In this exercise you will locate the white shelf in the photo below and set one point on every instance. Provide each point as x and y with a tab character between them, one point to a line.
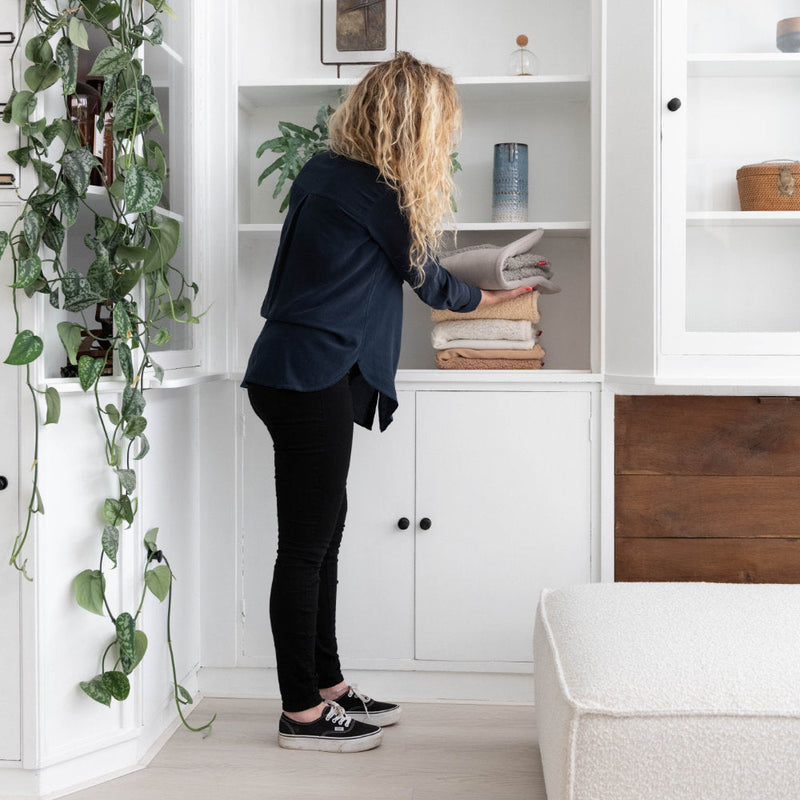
580	228
699	218
735	65
301	92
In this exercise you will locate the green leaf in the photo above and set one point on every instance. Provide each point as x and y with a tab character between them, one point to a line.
32	225
23	105
118	685
125	629
144	447
89	586
44	171
77	291
22	156
97	690
67	60
125	361
160	5
140	648
122	321
77	33
53	400
77	166
112	511
107	13
164	241
3	242
187	698
131	255
127	477
53	233
155	153
27	347
136	427
125	281
157	32
89	371
133	403
68	200
28	271
42	76
161	338
38	49
71	336
110	542
143	189
113	413
158	580
150	540
126	509
110	61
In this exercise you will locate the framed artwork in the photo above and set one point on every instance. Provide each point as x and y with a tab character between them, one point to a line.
357	31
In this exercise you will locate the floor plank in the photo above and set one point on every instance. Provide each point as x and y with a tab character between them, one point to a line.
437	751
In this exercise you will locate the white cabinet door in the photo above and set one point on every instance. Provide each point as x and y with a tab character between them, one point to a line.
504	478
376	564
9	521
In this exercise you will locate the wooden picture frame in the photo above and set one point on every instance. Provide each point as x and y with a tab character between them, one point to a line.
357	31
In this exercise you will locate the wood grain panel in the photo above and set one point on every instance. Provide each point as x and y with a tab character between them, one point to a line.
707	435
718	560
713	506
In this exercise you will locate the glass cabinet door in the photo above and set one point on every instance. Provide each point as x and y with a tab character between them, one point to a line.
730	278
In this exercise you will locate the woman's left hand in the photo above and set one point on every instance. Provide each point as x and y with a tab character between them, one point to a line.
491	297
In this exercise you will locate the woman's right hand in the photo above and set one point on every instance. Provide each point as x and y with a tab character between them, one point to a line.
491	297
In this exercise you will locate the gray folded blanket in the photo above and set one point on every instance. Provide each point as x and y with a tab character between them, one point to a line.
489	267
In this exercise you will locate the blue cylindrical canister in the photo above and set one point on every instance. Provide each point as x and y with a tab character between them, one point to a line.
510	183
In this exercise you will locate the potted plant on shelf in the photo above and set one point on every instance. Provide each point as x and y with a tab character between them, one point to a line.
127	272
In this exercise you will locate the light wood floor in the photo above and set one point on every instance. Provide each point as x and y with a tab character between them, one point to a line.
436	752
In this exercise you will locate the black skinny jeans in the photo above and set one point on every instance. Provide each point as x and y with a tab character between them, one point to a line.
312	435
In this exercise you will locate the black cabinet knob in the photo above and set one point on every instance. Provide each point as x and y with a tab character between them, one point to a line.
3	482
674	104
403	523
425	523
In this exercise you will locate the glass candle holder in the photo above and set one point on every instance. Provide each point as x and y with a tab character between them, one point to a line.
522	60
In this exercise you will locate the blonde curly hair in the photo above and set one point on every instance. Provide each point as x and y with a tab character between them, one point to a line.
404	117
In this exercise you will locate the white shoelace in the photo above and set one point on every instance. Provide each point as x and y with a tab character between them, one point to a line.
353	692
337	715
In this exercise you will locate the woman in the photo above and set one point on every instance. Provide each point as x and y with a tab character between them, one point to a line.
362	219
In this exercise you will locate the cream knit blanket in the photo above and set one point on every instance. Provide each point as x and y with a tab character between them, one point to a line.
526	306
481	329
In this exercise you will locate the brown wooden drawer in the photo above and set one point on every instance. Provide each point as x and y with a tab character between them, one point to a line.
708	435
707	505
719	560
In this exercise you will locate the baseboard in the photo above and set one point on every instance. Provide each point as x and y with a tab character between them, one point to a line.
102	764
399	685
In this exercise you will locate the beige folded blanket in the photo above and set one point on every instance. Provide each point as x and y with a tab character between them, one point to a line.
460	353
486	363
491	344
481	329
526	306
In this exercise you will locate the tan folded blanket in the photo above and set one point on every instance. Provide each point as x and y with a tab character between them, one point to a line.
487	363
526	306
460	353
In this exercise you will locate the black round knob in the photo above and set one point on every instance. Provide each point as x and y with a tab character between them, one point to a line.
3	482
425	523
403	523
674	104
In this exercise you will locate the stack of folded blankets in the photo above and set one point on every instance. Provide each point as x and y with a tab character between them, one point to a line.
504	336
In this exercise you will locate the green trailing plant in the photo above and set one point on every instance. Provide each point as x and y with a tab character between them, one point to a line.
296	145
127	272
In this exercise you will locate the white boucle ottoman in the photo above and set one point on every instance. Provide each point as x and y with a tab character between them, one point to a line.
676	691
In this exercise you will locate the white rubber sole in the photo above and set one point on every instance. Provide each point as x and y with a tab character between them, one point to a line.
383	719
330	745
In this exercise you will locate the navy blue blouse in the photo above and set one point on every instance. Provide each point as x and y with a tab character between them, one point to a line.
335	297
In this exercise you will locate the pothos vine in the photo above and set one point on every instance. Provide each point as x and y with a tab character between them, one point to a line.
129	273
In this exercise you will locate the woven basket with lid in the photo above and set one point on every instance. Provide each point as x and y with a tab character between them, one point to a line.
769	186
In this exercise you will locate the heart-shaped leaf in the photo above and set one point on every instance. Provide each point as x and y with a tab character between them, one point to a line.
143	189
158	581
27	347
89	586
97	690
110	541
89	371
125	630
117	683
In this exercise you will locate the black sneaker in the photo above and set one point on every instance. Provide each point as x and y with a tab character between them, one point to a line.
334	732
365	709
